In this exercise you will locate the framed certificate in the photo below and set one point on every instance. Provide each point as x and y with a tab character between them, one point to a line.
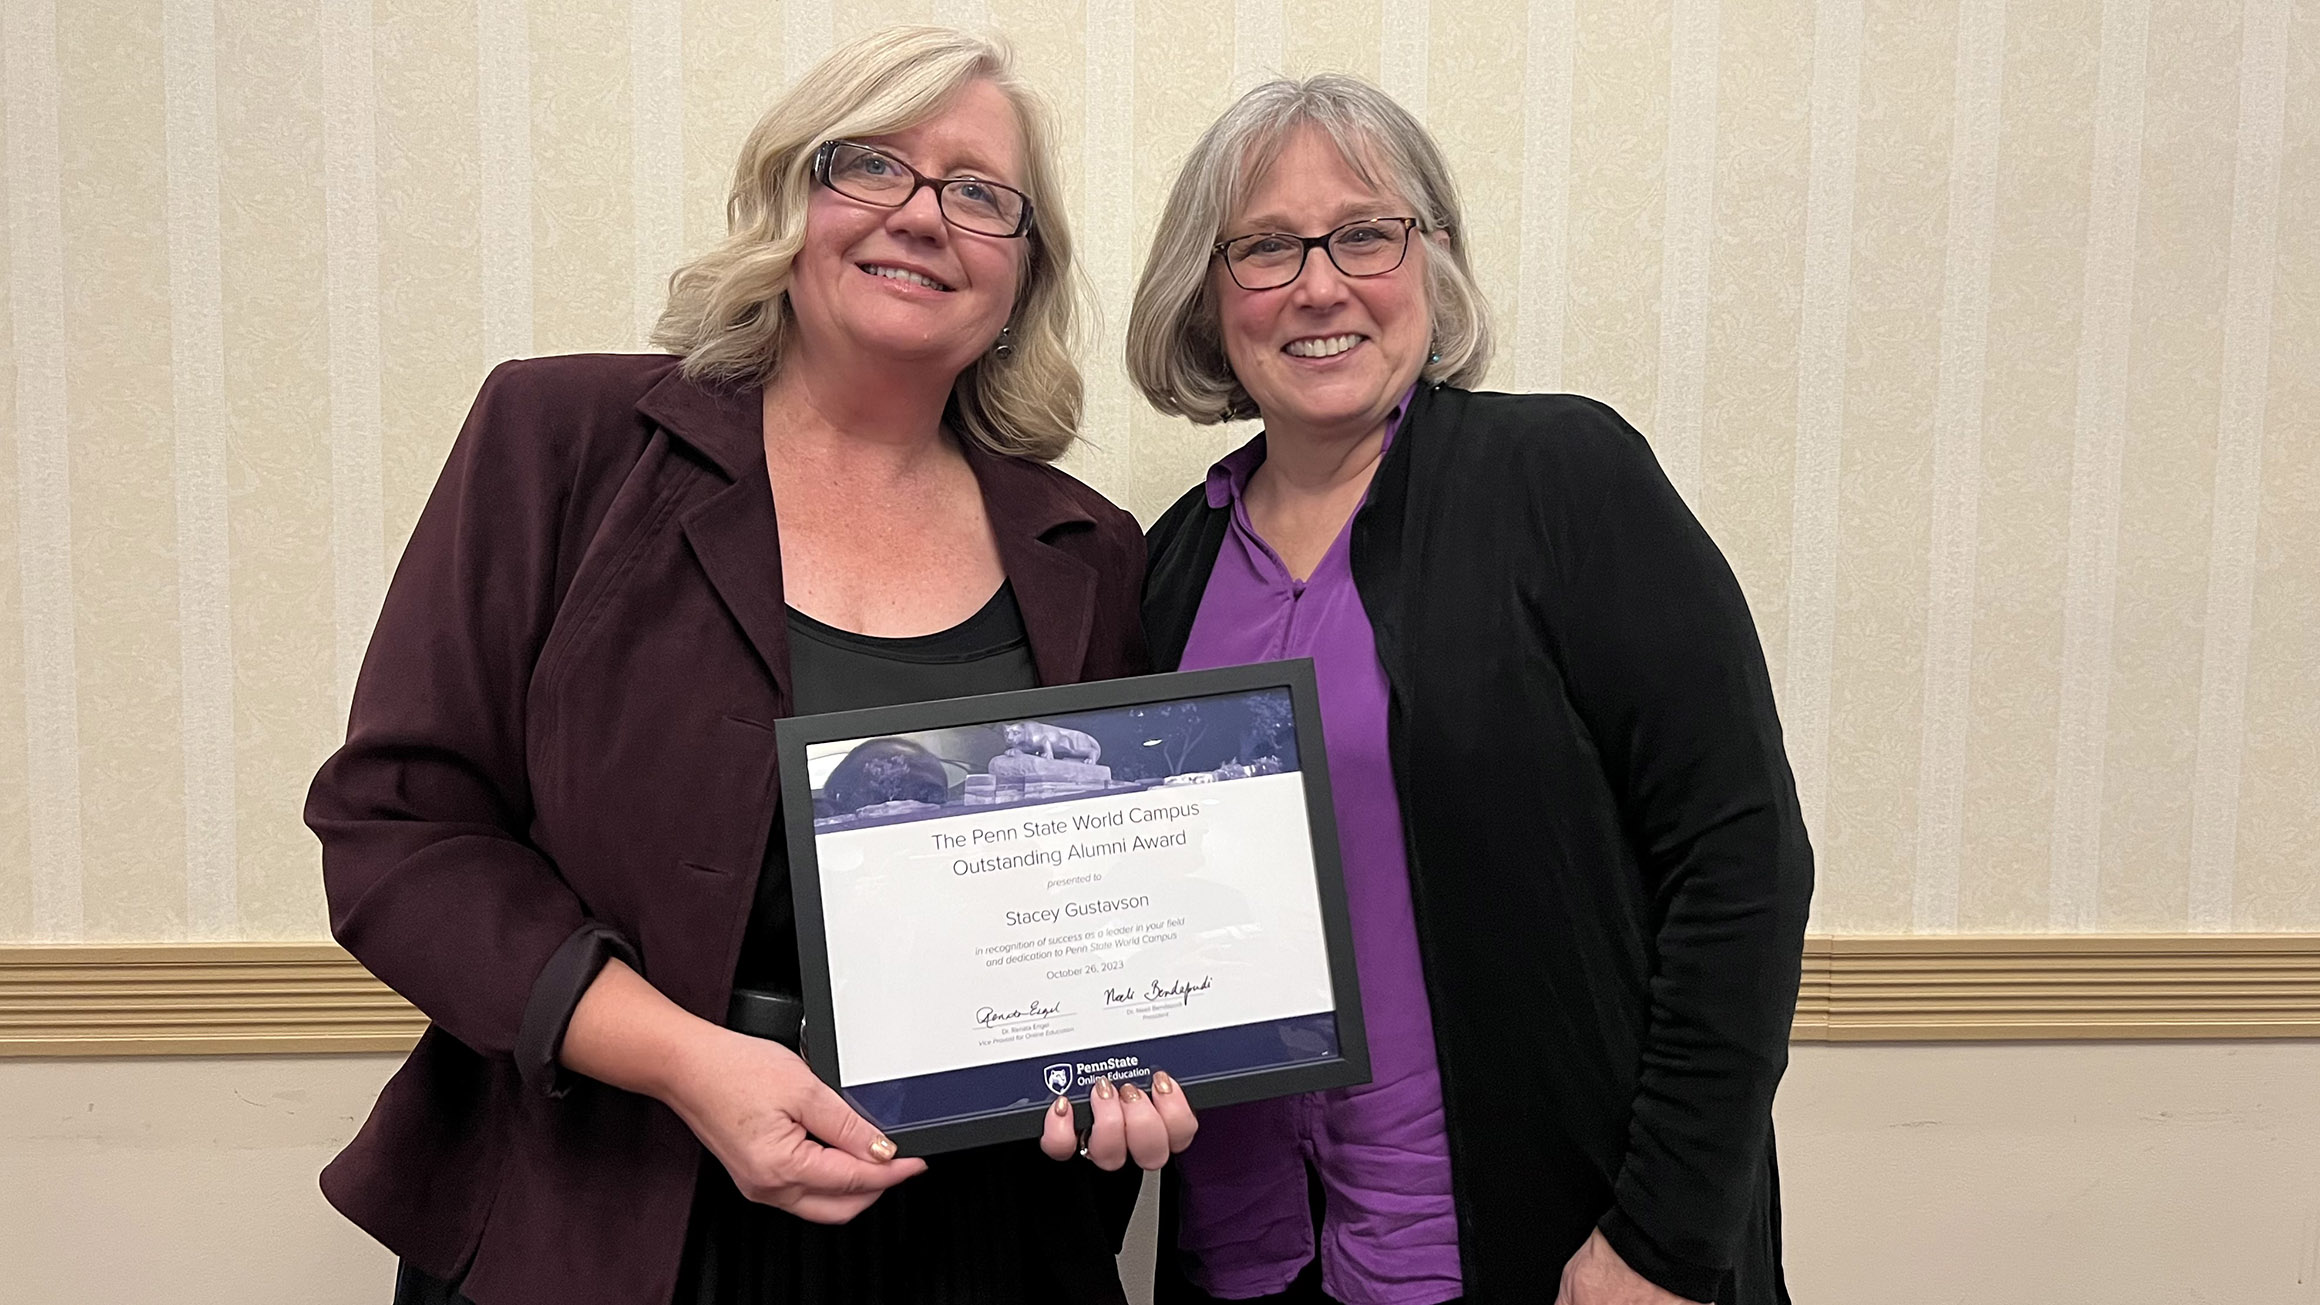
1004	898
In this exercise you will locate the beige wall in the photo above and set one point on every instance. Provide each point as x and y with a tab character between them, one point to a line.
2053	1174
2009	1174
1983	336
183	1182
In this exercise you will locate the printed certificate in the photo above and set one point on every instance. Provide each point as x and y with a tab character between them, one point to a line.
1004	898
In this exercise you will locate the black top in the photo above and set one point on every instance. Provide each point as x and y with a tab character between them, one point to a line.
838	670
1608	864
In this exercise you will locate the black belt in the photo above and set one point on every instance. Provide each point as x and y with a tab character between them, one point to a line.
760	1013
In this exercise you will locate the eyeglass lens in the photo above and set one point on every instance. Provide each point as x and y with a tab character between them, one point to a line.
984	207
1268	260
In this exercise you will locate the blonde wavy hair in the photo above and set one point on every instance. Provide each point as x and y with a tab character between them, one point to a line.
729	316
1175	347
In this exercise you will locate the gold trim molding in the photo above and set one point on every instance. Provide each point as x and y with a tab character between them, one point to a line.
1968	988
195	999
271	998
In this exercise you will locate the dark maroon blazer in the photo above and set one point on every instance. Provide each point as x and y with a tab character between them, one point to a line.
561	748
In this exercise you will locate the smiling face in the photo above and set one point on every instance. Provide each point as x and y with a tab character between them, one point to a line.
1327	353
902	285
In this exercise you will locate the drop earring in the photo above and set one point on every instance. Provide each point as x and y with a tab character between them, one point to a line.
1006	346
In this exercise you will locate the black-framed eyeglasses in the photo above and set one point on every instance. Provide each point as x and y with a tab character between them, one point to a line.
1268	260
859	172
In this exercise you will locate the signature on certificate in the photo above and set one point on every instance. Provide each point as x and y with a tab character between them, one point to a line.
987	1016
1177	992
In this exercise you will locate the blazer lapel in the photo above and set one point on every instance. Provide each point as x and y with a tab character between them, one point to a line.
1055	590
1057	595
734	535
733	532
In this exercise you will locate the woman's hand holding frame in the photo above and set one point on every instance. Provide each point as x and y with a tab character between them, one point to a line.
1124	1123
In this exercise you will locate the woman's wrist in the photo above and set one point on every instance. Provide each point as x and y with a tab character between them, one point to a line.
627	1034
687	1051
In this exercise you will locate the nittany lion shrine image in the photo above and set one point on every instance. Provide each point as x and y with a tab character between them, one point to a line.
1092	652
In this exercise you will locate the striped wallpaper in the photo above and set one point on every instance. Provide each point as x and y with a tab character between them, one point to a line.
1986	338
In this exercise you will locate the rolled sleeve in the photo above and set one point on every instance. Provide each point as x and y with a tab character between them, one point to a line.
555	995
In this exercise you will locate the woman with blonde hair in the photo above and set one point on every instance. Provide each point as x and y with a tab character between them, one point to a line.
1577	872
552	826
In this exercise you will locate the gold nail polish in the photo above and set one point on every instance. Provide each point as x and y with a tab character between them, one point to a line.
1062	1107
1162	1084
882	1150
1105	1090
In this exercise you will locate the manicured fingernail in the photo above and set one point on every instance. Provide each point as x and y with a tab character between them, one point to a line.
1162	1084
1105	1090
1130	1092
1062	1107
882	1150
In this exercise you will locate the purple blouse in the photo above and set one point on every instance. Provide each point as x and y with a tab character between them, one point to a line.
1391	1235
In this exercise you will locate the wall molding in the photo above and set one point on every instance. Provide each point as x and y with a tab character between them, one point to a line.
195	999
2059	986
276	998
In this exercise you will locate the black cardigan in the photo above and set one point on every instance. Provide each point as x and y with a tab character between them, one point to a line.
1606	856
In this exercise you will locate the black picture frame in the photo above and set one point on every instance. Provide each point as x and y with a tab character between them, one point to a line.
1351	1063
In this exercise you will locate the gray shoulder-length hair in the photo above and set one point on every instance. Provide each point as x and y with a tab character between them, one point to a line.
1175	349
728	313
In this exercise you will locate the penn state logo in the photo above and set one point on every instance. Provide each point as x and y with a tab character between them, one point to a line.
1058	1078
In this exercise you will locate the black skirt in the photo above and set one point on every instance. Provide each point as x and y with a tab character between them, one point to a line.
999	1225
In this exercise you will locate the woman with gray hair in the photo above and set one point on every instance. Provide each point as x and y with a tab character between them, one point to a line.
1576	865
552	826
